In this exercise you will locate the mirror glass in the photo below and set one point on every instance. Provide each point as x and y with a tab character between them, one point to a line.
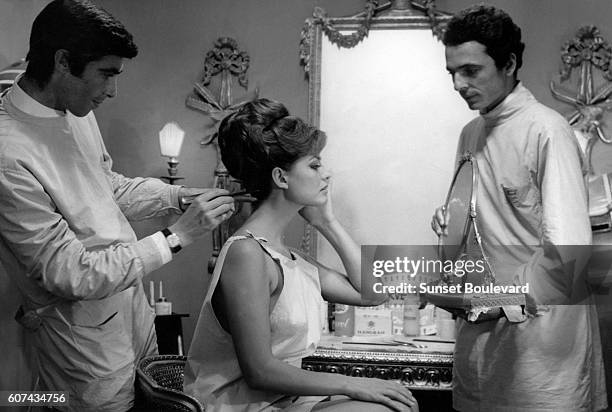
393	121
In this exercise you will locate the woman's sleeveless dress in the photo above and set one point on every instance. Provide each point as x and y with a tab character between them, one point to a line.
212	373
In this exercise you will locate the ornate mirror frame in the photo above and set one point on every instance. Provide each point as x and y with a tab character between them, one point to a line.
396	15
355	32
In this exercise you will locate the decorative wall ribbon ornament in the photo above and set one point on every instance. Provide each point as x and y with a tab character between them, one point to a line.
587	51
226	60
588	46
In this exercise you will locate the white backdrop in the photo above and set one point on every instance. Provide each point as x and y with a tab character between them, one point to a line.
393	120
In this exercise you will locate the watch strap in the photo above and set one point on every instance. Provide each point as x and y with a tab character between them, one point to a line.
174	242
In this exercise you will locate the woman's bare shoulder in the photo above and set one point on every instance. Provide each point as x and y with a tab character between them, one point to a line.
247	255
244	252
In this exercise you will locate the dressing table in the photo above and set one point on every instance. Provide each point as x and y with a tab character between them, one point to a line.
425	367
421	365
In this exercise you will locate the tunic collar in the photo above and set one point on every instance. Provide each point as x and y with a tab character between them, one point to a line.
515	102
24	102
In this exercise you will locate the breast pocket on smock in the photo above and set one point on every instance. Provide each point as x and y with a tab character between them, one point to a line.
524	198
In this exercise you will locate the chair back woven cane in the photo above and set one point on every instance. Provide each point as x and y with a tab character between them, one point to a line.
159	385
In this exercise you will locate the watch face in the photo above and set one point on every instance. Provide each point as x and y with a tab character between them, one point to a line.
173	240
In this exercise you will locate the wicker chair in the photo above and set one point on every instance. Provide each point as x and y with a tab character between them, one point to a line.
159	385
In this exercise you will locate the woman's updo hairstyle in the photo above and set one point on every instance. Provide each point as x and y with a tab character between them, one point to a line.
260	136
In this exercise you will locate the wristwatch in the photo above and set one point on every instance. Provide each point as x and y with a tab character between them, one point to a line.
174	242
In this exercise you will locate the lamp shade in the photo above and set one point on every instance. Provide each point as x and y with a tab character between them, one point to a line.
171	139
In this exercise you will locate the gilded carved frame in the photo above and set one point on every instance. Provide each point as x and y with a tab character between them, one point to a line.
398	15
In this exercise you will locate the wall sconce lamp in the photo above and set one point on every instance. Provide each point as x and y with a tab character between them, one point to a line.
170	142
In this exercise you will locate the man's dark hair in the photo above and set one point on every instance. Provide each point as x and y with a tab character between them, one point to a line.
490	27
86	31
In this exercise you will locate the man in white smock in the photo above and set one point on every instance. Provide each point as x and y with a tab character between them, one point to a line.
532	214
65	240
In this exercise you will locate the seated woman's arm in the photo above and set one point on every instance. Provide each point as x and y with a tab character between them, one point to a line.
245	287
350	288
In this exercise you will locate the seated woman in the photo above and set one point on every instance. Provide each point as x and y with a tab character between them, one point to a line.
261	314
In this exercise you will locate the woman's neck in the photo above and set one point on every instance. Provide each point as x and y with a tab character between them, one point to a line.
270	219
